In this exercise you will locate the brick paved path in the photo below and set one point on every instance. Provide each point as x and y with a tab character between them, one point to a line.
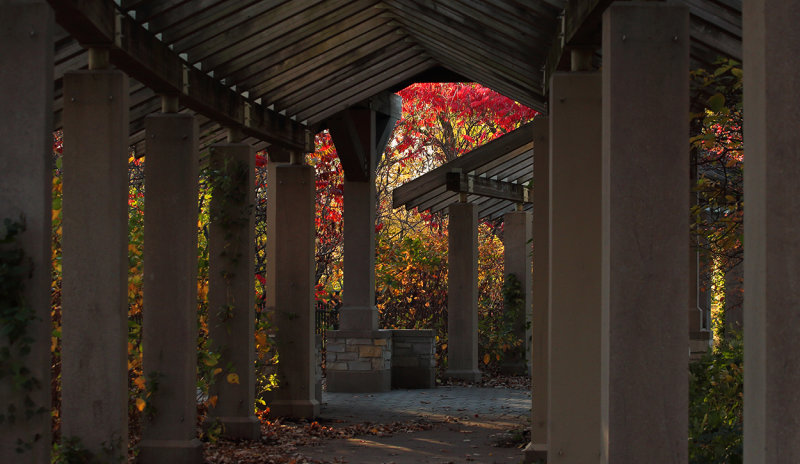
491	404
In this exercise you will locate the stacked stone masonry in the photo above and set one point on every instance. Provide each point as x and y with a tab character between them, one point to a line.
359	354
413	359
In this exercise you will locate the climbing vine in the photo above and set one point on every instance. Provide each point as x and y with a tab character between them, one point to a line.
16	341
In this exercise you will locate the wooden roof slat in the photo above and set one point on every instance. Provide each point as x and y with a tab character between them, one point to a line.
278	48
150	61
364	39
319	73
366	88
173	31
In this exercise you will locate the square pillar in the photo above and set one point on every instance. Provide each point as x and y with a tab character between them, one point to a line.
517	232
26	80
290	287
94	369
575	324
537	448
645	232
772	249
169	333
231	288
462	292
358	312
359	355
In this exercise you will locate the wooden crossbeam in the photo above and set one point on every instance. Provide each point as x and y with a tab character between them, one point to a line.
473	185
97	23
406	194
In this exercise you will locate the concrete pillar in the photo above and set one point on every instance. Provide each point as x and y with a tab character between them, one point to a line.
290	286
358	354
94	370
645	227
462	292
26	80
358	311
231	292
169	340
772	249
517	233
537	448
575	323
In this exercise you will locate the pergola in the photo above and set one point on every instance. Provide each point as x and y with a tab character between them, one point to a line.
177	78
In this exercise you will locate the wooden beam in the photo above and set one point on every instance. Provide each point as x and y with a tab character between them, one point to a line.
485	154
133	49
465	183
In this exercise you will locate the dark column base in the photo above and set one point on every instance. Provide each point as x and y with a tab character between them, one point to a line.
535	453
373	381
170	452
468	375
241	428
306	409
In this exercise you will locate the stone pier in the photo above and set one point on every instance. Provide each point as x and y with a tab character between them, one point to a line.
290	287
231	293
355	133
645	232
94	369
575	302
517	234
169	332
462	292
772	196
540	348
26	80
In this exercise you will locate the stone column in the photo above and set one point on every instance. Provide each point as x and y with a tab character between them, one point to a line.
231	292
358	311
645	227
537	448
359	355
290	286
26	80
169	333
574	375
462	292
772	293
517	232
94	369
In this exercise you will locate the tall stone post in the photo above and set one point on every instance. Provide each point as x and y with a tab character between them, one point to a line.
517	232
94	369
169	340
645	227
26	80
772	249
575	323
462	292
290	286
358	354
537	448
231	288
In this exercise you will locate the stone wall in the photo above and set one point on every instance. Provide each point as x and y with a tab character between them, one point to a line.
413	359
357	363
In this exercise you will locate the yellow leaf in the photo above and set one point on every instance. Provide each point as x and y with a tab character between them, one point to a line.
140	404
486	358
139	381
210	362
213	401
233	378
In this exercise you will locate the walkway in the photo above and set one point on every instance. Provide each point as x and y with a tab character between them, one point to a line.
468	423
